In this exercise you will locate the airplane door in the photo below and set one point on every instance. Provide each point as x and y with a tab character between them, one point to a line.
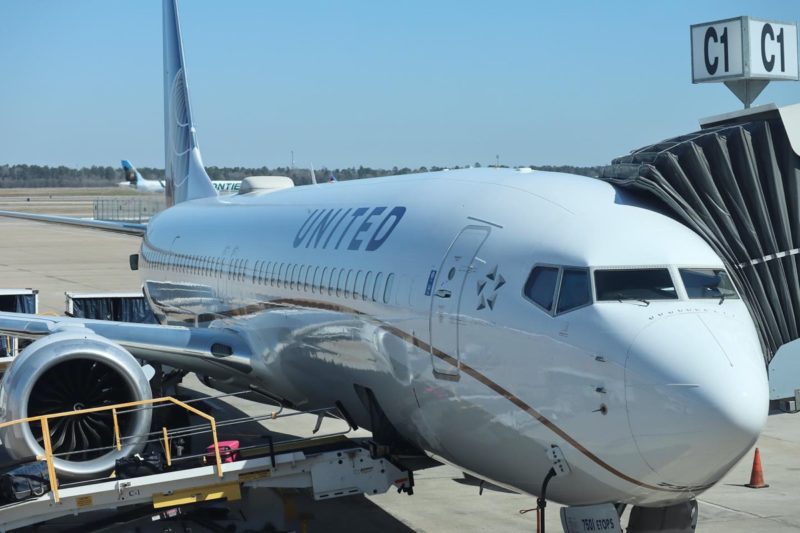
446	300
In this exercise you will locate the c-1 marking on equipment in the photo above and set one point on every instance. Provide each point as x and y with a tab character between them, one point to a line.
745	53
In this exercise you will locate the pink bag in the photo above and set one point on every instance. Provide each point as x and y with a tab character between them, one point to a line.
228	451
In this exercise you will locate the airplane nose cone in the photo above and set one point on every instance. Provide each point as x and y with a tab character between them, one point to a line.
697	395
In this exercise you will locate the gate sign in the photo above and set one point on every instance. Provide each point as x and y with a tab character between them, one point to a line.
744	48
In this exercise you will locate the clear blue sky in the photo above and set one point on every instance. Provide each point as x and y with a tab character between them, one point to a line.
344	83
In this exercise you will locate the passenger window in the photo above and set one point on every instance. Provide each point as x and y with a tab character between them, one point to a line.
634	284
311	277
359	284
367	290
377	287
574	290
541	286
707	283
332	281
340	282
387	293
274	274
281	272
348	284
320	281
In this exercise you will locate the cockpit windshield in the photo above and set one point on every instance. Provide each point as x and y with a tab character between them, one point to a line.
643	284
707	283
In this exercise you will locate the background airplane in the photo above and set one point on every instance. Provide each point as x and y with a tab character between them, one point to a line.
134	179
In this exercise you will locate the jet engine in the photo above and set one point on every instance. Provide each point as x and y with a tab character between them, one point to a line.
72	370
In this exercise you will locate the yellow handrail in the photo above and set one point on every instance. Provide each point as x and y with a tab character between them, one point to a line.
48	447
116	429
167	452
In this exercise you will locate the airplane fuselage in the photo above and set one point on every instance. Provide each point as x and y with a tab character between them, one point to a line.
414	287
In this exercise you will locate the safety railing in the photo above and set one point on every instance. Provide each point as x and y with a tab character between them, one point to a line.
44	420
127	209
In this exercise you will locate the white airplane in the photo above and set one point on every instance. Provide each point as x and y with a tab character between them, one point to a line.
494	319
135	180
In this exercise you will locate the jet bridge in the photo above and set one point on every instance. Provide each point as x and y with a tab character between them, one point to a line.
736	182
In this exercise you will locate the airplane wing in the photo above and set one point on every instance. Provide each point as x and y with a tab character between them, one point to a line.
211	351
128	228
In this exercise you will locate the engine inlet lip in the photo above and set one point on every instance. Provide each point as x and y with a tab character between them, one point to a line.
61	348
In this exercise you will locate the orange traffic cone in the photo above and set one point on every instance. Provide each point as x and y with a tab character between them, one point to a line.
757	476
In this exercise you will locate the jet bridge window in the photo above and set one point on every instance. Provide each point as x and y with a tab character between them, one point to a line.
634	284
707	283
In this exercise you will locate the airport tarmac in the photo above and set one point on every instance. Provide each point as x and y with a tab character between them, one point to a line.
55	259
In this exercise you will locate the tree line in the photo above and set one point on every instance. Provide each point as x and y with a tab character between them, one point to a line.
98	176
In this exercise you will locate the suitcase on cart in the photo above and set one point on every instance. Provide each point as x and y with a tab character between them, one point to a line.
228	451
140	465
23	482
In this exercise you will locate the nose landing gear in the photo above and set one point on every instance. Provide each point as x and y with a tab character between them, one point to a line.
680	518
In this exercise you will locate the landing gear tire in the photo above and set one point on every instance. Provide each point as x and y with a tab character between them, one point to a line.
678	518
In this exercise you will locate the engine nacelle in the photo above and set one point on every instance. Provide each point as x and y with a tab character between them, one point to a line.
71	370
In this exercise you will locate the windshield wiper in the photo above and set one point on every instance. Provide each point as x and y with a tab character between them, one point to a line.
721	297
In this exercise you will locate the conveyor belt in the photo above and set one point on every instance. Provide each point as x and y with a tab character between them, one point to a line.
331	467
